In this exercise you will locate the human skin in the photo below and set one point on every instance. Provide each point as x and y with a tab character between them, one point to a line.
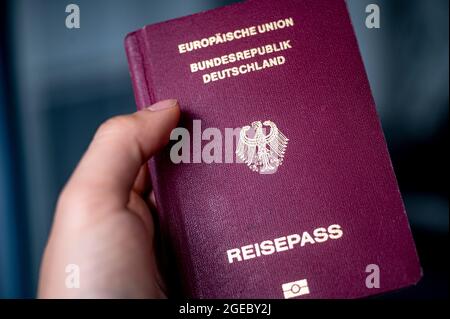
103	222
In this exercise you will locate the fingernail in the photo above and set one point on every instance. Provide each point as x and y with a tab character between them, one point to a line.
163	105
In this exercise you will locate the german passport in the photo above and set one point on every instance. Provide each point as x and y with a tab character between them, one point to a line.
278	182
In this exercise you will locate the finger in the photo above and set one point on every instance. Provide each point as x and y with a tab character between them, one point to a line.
152	199
151	202
138	205
120	147
142	185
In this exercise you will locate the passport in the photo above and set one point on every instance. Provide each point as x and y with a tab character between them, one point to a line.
278	182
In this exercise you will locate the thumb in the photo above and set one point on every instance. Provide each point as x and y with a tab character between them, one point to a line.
120	147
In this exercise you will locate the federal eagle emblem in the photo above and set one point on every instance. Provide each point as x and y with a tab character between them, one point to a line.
262	153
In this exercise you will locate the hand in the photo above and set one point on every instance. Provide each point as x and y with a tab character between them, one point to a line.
103	222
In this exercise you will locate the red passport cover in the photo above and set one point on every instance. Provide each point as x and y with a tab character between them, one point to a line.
330	223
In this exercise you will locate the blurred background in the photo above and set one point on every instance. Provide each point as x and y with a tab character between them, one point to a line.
57	85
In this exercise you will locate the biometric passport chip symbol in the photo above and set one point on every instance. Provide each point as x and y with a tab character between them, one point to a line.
295	289
262	153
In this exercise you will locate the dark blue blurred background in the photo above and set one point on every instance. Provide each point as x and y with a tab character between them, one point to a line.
57	85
